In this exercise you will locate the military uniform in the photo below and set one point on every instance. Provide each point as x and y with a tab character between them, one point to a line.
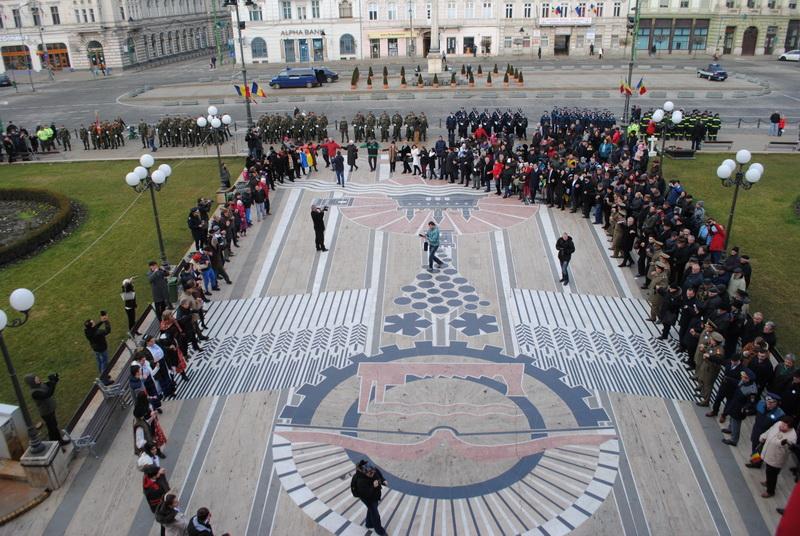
658	280
397	124
384	123
711	355
343	130
66	138
84	135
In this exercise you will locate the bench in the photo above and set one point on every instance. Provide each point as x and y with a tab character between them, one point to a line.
716	144
782	146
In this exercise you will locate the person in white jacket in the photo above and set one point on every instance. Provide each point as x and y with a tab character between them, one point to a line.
775	451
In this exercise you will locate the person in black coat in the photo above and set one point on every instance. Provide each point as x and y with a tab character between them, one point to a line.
318	218
628	239
366	485
731	375
670	306
565	248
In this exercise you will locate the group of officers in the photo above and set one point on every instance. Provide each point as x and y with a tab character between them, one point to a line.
685	130
497	122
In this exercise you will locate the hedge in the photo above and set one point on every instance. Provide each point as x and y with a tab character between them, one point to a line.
43	234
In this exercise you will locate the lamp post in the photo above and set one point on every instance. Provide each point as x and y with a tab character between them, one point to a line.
141	179
239	25
732	173
411	30
216	123
659	116
22	301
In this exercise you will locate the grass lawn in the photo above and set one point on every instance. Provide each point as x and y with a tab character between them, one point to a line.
52	340
765	227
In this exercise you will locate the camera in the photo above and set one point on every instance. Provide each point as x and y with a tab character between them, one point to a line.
103	313
53	377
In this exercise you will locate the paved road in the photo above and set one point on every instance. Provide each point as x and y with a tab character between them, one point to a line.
73	99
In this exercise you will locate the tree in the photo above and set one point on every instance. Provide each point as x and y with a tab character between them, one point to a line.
453	78
495	69
403	80
385	71
471	79
480	70
520	80
402	72
435	80
369	74
354	78
463	70
505	78
420	82
385	78
489	78
369	79
357	74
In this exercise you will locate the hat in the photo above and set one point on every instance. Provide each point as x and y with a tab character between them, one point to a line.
711	323
661	265
773	397
750	374
717	337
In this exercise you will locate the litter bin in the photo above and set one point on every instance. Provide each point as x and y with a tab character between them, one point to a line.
172	285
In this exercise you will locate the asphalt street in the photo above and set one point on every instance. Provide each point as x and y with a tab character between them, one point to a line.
72	99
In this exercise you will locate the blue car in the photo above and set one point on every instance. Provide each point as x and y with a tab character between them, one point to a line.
302	77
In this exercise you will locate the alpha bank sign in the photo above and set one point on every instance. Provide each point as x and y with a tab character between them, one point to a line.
566	21
288	33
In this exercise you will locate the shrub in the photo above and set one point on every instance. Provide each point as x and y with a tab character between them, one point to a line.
471	79
453	78
370	74
520	78
403	79
489	78
385	79
385	71
369	79
480	71
354	78
505	78
495	69
420	82
402	72
41	235
463	70
435	80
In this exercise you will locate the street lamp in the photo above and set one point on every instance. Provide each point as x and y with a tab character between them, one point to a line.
22	301
141	179
733	174
659	117
217	124
239	26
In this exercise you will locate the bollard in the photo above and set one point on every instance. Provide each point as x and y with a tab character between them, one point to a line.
740	123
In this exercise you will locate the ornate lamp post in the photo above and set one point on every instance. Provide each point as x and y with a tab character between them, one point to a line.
141	179
22	301
733	174
217	124
659	117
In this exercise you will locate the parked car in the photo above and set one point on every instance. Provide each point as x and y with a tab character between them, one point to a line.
790	55
5	81
326	75
714	71
302	77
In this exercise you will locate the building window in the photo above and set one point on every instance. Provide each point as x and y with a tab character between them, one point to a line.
122	13
256	14
545	10
617	8
346	12
314	9
286	10
469	10
487	10
509	12
643	39
792	4
258	48
412	10
347	45
507	42
545	42
91	14
526	10
451	45
684	4
394	48
730	4
301	12
771	4
582	9
17	18
699	38
55	15
680	39
663	3
37	20
372	11
451	10
77	16
564	11
580	41
661	38
391	11
598	10
85	18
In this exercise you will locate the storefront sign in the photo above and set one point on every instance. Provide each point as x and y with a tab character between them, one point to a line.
566	21
397	34
563	31
300	32
10	38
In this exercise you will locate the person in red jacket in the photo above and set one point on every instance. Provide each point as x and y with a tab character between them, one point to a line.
717	245
496	171
790	522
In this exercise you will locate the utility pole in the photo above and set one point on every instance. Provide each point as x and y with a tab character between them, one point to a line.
411	24
244	64
217	32
45	54
633	26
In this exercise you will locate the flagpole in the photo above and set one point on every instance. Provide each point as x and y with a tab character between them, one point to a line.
634	34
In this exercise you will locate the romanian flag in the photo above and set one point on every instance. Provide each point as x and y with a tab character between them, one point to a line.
622	86
640	87
625	89
243	91
257	91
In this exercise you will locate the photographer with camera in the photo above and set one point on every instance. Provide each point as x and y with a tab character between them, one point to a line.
96	332
42	394
318	218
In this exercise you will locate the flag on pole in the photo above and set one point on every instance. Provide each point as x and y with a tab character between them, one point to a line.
640	87
628	90
257	91
243	91
622	86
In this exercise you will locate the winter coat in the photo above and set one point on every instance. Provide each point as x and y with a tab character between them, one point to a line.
174	521
158	284
42	393
198	528
565	249
774	452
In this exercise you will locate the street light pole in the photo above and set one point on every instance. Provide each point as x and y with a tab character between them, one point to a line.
20	299
659	116
141	179
634	31
217	124
235	4
733	174
30	67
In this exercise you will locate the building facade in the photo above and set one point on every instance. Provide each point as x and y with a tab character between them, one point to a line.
306	31
80	34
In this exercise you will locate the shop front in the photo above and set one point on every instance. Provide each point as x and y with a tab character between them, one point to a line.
392	43
56	55
672	35
792	35
303	46
565	33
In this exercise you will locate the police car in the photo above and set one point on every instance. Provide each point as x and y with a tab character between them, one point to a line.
714	71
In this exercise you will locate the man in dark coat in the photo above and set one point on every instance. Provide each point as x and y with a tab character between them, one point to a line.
338	167
565	248
366	485
43	397
158	284
318	217
95	333
352	156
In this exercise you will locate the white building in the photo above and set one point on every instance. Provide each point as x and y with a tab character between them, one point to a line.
117	33
299	31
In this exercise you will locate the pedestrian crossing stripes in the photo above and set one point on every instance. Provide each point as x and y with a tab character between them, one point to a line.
438	188
583	311
287	313
271	360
